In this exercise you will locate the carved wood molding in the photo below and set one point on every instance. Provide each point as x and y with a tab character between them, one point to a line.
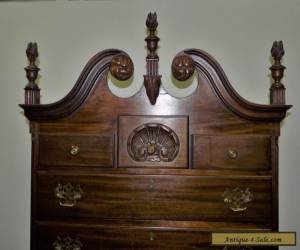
95	68
183	67
208	66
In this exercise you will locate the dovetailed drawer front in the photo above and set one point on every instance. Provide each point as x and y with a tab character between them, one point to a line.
232	151
99	238
75	150
154	197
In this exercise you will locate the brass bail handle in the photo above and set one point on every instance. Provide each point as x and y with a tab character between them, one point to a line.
68	194
237	198
67	243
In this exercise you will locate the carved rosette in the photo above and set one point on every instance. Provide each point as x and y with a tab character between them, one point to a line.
121	67
153	142
183	67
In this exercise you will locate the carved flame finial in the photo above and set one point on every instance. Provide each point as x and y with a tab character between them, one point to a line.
152	80
277	51
151	22
32	52
32	91
277	90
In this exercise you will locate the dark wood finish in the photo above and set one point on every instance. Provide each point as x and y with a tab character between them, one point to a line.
234	151
90	150
216	170
176	125
110	236
154	197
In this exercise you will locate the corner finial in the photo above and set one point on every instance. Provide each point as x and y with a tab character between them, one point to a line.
152	80
277	90
277	51
32	91
32	52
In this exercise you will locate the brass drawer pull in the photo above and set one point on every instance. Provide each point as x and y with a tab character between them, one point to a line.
232	153
74	150
236	198
68	194
67	244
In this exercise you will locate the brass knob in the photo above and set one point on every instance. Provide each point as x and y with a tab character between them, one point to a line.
67	244
74	150
68	194
232	153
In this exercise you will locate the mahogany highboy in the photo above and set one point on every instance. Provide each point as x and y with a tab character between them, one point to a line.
152	171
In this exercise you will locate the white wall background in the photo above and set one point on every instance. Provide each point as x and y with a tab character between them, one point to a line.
238	33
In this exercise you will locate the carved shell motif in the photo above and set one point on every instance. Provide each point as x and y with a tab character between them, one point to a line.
153	142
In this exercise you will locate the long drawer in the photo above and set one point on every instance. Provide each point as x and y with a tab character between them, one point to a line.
154	197
117	238
96	237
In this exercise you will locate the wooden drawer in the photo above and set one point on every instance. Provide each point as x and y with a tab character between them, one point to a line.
115	238
76	150
231	152
154	197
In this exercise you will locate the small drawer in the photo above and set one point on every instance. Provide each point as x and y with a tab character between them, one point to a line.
231	152
154	197
75	150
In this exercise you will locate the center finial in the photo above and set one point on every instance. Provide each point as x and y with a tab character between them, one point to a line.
152	80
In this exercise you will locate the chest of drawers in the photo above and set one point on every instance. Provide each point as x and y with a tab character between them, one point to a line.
152	171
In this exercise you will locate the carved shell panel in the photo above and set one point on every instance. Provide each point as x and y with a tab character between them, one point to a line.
153	142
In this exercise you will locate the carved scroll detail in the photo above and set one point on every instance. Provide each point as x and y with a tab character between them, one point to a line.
153	142
183	67
121	67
